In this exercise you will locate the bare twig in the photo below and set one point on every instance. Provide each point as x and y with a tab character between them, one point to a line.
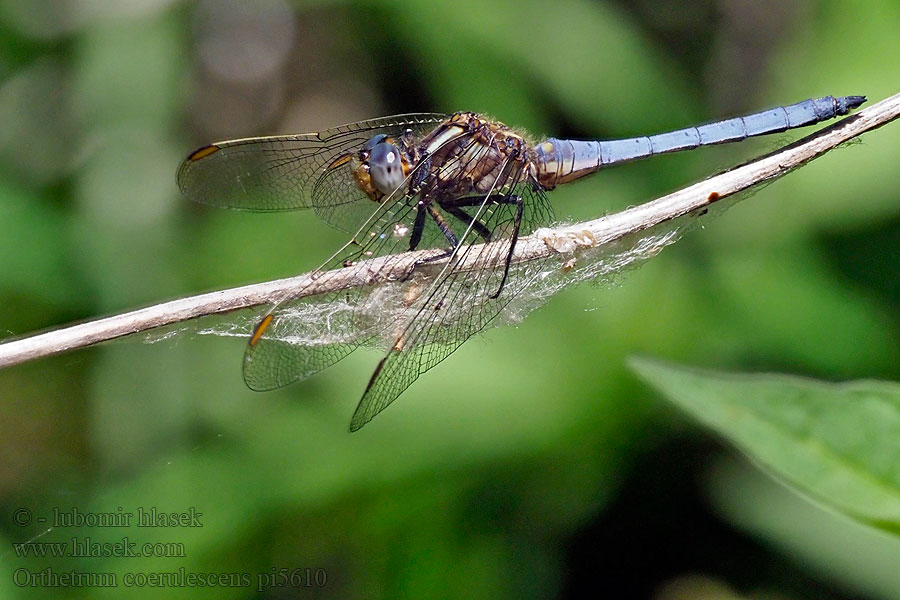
541	244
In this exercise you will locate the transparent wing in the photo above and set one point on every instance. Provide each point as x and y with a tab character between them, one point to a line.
460	303
291	172
303	335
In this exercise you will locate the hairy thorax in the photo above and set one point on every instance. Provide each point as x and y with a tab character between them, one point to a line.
468	155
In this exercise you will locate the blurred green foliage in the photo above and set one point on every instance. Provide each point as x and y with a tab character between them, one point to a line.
529	464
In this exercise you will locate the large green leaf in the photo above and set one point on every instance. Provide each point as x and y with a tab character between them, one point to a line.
838	442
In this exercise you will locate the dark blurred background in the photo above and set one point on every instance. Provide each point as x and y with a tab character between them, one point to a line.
530	464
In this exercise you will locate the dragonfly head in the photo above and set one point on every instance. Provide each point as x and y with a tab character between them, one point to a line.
380	167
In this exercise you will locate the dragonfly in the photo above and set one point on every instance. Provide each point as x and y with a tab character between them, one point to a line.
464	185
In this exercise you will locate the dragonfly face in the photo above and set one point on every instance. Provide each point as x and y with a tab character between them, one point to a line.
380	167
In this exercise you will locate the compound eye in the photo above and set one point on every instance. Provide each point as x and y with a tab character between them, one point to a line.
386	167
374	141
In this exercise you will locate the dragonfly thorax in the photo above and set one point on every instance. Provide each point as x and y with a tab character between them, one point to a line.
470	155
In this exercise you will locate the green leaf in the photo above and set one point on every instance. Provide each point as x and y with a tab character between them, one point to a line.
838	442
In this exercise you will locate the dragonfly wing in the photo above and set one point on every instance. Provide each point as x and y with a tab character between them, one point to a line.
303	334
459	303
284	172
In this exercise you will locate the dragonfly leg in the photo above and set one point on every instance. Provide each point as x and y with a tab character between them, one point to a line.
416	237
517	224
479	228
442	224
425	261
418	228
454	207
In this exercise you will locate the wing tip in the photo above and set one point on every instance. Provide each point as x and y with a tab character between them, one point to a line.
182	174
364	413
202	152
